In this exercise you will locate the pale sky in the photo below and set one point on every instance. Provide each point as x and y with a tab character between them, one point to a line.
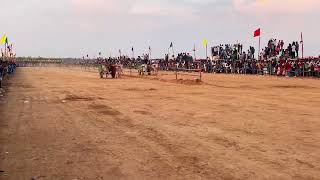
74	28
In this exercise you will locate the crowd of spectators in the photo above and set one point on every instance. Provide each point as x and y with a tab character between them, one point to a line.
125	61
274	59
7	63
273	66
276	48
183	60
6	69
231	51
288	67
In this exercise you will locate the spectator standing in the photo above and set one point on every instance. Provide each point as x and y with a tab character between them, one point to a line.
293	50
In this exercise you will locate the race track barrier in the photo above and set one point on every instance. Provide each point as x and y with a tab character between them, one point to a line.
196	73
130	72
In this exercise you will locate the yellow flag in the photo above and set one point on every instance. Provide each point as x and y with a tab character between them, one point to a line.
4	39
205	42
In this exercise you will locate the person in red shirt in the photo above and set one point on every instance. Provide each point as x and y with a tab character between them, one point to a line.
288	68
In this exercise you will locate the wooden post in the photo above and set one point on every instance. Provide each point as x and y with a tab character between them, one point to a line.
176	72
271	68
130	69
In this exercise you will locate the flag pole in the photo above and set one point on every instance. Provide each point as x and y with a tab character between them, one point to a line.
259	47
206	50
302	45
5	49
132	52
194	51
173	51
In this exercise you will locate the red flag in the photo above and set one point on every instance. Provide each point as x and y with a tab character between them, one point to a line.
257	33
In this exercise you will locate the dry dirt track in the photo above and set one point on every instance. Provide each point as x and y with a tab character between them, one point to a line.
67	124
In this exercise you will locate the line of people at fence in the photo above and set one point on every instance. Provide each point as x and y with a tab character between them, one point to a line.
274	66
35	62
274	59
289	67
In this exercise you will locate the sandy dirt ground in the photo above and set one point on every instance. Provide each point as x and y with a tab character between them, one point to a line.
68	124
